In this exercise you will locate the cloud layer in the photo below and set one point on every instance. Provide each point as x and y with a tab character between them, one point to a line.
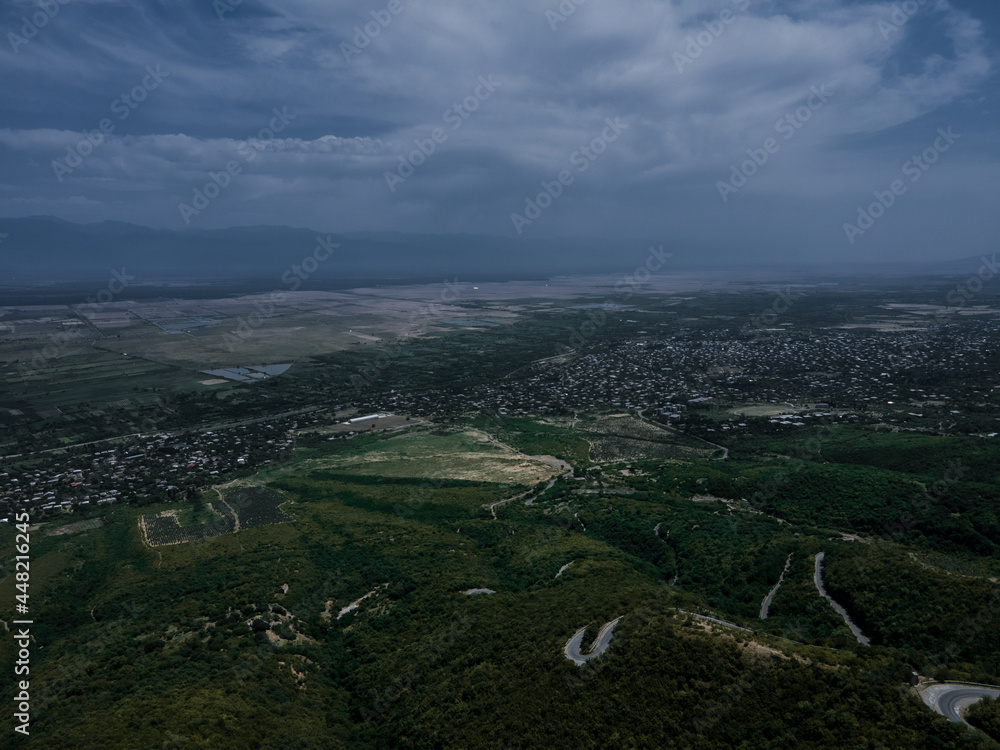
449	116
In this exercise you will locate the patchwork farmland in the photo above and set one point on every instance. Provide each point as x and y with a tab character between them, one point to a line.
238	508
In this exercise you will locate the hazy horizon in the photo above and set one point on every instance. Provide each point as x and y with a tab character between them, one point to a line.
791	130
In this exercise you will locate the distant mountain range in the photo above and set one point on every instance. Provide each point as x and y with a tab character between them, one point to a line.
43	249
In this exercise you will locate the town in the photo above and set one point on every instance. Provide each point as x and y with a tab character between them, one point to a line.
701	381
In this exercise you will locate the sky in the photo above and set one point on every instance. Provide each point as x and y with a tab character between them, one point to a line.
743	130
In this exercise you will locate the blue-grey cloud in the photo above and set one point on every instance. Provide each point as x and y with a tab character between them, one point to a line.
700	86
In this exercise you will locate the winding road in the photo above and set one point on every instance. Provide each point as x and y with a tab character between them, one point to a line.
950	699
491	507
601	644
766	604
818	580
171	433
716	620
725	451
531	500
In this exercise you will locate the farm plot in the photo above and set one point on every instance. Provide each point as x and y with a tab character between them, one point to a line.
239	508
627	427
76	528
161	529
606	448
627	438
254	506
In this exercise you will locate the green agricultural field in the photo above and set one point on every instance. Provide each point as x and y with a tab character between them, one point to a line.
91	377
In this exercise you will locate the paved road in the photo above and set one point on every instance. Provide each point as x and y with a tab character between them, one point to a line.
725	451
174	433
530	501
535	362
765	606
564	568
716	620
818	580
601	644
492	507
950	700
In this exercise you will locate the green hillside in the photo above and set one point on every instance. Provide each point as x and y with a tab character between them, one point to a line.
194	644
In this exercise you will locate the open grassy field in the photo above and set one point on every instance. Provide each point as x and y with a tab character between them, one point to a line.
93	377
465	454
59	356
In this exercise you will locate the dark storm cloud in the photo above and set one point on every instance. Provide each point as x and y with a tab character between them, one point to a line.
370	91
